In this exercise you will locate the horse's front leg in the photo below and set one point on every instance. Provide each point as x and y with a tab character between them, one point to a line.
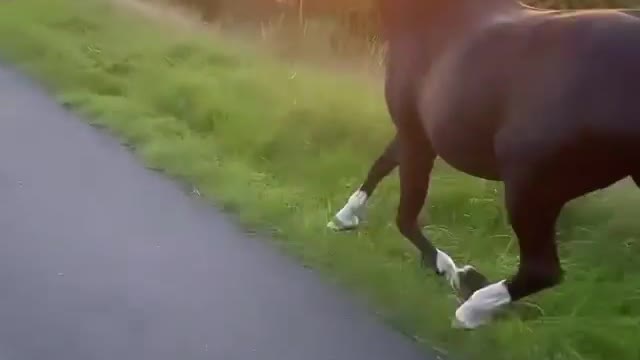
351	214
382	167
416	160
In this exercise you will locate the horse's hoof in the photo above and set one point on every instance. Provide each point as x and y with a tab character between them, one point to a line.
351	215
343	225
470	281
482	307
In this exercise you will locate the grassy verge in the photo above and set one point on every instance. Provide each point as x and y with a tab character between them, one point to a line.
283	145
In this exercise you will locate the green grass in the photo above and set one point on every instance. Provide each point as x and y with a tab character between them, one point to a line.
283	152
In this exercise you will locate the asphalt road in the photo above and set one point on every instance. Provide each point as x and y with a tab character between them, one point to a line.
101	258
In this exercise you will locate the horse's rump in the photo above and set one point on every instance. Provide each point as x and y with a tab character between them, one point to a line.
581	67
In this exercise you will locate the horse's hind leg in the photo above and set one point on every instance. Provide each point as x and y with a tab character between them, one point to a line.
540	177
350	216
533	216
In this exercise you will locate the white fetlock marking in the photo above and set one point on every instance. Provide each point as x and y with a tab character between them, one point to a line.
482	305
348	216
357	200
447	266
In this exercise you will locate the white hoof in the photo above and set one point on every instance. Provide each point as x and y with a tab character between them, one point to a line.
338	224
482	306
447	266
349	217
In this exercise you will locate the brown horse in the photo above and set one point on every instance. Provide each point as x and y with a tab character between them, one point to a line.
540	100
350	216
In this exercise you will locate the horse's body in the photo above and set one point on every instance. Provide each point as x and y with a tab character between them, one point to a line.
541	100
350	215
558	89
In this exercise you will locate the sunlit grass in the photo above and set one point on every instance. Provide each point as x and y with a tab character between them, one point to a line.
282	145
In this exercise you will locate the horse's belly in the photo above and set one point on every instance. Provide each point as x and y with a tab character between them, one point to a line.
466	149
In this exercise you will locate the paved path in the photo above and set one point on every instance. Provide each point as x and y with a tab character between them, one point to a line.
101	258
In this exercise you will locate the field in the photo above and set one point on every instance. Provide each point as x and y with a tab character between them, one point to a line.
282	144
